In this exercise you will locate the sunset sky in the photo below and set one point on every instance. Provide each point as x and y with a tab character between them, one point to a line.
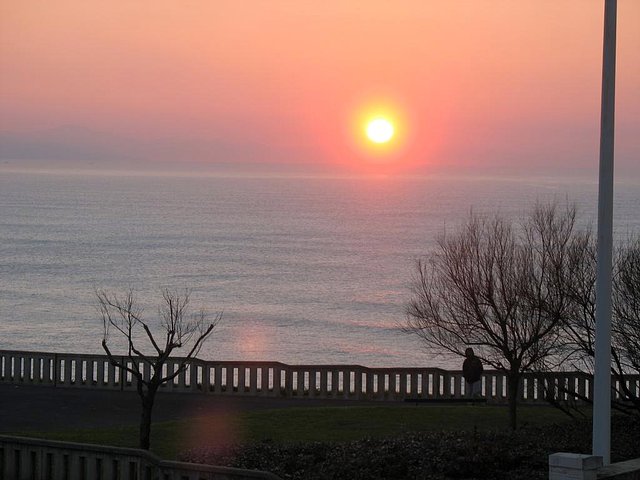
472	87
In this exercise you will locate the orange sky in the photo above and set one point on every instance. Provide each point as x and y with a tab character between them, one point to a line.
497	86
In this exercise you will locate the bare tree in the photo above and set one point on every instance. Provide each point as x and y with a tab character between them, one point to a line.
178	329
626	324
579	328
497	286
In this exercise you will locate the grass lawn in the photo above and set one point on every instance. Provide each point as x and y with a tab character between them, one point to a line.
309	424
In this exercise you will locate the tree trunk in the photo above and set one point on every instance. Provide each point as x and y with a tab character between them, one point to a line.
145	419
513	381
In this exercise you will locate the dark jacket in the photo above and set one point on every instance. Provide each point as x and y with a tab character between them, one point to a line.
472	369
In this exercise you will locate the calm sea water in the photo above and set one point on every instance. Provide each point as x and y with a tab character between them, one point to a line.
305	270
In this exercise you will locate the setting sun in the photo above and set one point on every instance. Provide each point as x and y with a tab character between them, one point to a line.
380	130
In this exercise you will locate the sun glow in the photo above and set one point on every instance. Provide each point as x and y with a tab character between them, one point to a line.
380	130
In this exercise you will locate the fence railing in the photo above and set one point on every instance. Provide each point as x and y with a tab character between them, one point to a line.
275	379
36	459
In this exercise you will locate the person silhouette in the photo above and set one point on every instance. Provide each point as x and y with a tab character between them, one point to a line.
472	372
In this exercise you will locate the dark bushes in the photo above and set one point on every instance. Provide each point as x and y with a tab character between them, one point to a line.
430	455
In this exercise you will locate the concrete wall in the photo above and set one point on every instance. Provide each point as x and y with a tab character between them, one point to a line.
35	459
269	379
575	466
629	470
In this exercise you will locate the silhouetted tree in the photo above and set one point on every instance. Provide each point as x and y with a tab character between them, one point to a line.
498	286
178	329
626	319
579	328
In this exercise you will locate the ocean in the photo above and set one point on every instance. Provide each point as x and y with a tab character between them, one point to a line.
304	270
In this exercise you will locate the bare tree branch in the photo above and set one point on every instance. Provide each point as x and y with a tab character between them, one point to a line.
180	330
497	286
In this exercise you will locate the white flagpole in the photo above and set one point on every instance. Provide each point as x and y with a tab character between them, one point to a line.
602	370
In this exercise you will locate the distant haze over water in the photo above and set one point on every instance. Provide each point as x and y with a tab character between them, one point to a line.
306	270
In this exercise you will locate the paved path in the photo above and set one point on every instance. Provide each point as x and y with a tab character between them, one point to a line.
24	408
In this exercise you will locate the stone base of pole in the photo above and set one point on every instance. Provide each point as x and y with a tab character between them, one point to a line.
573	466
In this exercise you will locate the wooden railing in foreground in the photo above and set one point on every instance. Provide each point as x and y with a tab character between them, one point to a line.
275	379
35	459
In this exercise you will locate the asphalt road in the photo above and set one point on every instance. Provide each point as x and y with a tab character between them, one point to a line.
24	408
